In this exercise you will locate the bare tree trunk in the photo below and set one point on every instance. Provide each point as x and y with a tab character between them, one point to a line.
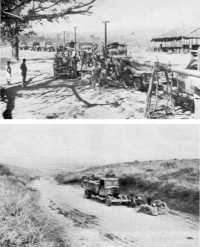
15	44
15	48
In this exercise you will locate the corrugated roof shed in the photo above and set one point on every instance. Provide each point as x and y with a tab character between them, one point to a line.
178	34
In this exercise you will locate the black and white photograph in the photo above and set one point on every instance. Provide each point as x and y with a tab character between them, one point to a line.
102	185
99	123
100	59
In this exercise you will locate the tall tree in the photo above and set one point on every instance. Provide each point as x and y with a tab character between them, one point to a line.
16	15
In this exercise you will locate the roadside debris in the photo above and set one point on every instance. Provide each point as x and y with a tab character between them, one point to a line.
156	208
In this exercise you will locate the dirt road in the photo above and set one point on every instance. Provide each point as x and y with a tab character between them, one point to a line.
94	224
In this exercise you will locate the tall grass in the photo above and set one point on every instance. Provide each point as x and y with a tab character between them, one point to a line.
23	222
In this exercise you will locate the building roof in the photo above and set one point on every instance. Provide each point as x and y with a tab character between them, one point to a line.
115	45
86	43
178	34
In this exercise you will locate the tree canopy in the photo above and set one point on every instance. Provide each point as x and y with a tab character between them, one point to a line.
24	12
32	10
18	15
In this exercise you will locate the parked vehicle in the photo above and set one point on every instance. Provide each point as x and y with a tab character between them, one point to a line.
65	65
104	189
36	46
141	79
25	46
137	77
117	49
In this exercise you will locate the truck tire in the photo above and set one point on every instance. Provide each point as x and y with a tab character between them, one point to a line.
138	83
87	194
108	201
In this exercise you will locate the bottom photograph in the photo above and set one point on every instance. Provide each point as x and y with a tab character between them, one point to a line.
91	185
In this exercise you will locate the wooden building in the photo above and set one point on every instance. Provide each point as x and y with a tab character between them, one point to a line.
178	40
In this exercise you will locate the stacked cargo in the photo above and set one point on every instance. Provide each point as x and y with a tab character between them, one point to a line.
64	66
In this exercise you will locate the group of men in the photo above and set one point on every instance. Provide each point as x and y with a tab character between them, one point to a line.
107	70
23	68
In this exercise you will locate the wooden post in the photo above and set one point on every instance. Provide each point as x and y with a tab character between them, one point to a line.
169	90
149	93
157	85
105	37
198	59
196	106
167	79
57	42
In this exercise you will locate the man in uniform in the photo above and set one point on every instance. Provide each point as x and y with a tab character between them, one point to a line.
23	68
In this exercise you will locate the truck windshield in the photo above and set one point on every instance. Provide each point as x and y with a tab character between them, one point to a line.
113	183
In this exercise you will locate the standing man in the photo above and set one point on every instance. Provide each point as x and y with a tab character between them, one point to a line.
9	72
23	68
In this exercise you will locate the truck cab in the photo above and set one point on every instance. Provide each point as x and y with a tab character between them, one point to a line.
106	189
109	186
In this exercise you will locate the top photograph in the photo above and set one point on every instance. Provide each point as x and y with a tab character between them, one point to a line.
100	59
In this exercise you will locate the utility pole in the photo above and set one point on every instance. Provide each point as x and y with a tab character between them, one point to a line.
57	41
75	35
75	38
64	37
105	35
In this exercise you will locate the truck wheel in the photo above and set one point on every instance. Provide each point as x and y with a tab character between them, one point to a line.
108	201
138	83
87	194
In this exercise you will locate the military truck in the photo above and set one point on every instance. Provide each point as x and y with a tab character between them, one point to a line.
105	189
65	65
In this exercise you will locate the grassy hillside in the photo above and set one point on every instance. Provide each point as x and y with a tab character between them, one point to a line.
174	181
23	222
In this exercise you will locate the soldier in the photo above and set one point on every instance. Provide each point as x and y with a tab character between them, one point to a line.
9	72
96	74
23	68
149	200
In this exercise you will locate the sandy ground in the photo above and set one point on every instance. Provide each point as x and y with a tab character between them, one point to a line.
93	224
46	97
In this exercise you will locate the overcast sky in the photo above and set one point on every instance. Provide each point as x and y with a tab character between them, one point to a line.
133	15
51	145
